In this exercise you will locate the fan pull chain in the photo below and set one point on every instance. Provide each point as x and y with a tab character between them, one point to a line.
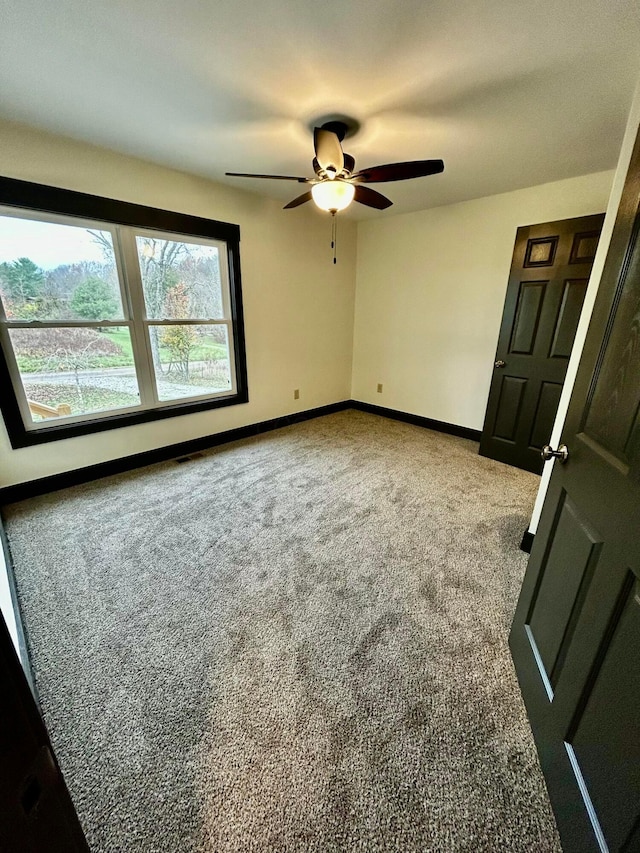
334	234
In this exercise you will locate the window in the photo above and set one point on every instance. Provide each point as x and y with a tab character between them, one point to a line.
113	313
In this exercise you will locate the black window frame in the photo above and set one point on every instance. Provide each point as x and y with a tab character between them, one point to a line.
42	198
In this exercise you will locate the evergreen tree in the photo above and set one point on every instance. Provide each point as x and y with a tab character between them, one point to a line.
23	279
94	300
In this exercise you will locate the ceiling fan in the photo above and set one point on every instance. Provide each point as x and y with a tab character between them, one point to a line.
336	183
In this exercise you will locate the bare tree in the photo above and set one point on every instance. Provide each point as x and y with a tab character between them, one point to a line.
158	261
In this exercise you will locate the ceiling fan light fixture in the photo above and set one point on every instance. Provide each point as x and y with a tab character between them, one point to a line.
333	195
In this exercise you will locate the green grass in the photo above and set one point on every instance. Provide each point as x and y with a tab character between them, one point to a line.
206	349
37	364
122	339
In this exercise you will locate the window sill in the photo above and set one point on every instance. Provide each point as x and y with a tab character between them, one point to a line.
20	437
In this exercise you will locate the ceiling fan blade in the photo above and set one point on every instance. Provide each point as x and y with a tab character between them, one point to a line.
371	198
399	171
328	150
298	201
270	177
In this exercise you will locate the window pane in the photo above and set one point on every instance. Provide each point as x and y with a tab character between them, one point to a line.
190	360
75	371
57	272
181	280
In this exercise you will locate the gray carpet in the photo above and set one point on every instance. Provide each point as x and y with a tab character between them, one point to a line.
295	643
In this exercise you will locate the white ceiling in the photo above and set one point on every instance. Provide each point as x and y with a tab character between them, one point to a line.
509	94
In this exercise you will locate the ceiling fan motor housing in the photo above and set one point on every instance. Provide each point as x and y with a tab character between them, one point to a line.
343	126
349	165
337	127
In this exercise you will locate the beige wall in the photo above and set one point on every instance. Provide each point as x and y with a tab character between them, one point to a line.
430	292
298	305
429	296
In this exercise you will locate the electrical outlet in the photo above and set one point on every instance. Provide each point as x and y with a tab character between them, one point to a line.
296	394
379	387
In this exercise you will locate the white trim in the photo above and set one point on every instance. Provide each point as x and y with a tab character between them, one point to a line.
140	343
63	324
6	604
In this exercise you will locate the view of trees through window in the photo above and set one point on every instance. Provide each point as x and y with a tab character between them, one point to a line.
181	281
76	345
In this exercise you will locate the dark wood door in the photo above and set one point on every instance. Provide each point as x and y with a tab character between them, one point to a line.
550	269
36	812
576	634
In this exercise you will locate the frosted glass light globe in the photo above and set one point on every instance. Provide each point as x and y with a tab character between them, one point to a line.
333	195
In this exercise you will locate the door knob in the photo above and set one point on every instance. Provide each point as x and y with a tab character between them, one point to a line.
562	453
500	363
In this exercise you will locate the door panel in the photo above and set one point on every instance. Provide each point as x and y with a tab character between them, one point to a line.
541	252
563	582
583	249
545	414
547	284
575	637
612	414
567	323
511	394
525	327
605	734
